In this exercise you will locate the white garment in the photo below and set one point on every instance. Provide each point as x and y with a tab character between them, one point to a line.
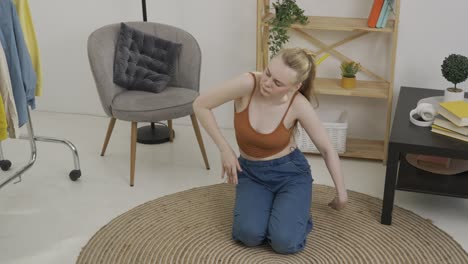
6	91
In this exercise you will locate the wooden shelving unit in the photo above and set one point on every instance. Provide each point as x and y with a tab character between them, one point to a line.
381	88
370	89
337	24
364	148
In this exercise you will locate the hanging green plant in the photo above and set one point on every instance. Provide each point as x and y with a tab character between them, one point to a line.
287	12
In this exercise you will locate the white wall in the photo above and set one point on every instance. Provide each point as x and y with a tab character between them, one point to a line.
429	31
225	31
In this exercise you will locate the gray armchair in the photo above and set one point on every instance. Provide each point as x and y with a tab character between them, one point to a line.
139	106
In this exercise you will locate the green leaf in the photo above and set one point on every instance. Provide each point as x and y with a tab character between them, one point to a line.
287	13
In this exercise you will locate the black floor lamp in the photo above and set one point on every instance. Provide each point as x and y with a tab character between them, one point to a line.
153	134
143	5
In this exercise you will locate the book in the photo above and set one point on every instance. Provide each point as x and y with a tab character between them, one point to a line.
374	13
455	111
383	23
382	14
433	161
441	121
448	133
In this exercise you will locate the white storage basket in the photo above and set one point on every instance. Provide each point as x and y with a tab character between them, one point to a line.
336	124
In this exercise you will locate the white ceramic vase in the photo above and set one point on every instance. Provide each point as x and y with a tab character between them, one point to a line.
453	96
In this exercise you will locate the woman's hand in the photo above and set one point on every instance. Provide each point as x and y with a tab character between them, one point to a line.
230	165
339	202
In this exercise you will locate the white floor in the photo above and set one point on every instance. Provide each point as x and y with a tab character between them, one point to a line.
47	218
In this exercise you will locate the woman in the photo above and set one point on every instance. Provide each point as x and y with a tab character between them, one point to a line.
274	181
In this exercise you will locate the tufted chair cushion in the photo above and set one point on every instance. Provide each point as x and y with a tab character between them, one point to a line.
143	62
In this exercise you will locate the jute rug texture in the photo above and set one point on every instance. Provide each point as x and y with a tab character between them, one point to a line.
194	226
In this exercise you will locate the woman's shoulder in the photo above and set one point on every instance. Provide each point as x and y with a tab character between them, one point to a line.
256	74
248	79
301	104
244	84
300	99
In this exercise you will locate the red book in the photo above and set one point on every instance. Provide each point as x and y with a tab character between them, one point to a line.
375	13
433	160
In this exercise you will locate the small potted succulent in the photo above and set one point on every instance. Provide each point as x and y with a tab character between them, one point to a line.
348	74
455	70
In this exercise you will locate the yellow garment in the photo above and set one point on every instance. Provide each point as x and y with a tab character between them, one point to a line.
3	121
24	15
6	91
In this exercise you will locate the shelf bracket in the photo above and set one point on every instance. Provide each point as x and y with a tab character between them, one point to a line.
342	42
335	53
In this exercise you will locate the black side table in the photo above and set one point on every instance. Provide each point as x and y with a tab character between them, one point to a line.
406	138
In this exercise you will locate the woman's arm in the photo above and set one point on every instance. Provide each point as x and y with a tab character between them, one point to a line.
317	133
230	90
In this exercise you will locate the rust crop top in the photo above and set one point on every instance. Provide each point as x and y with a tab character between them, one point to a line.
256	144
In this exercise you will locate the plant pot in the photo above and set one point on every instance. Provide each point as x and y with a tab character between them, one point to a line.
348	82
451	95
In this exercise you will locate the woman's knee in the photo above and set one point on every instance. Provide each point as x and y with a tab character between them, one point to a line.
285	242
250	234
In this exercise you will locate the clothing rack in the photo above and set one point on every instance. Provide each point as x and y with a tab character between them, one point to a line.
6	164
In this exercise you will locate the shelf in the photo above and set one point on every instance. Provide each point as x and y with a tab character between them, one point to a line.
413	179
338	24
372	89
348	29
364	149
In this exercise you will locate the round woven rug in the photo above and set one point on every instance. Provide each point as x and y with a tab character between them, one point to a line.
194	226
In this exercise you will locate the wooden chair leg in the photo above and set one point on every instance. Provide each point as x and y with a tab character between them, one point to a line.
110	128
171	134
133	152
200	140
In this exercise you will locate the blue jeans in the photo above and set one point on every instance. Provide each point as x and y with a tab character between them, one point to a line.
273	201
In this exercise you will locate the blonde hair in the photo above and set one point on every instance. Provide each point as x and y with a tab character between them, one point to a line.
302	61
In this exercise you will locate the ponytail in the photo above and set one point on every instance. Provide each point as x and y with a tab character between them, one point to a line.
303	62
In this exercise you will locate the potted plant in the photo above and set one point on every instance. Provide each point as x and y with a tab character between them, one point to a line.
455	70
348	74
287	12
